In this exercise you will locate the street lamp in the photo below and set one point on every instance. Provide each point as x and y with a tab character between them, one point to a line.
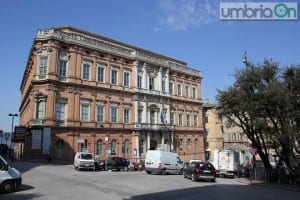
13	115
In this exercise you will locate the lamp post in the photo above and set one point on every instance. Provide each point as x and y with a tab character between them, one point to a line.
13	115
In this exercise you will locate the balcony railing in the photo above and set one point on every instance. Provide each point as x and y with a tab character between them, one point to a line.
37	122
147	126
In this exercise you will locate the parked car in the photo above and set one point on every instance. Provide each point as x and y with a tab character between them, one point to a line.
136	166
84	160
114	163
200	171
10	177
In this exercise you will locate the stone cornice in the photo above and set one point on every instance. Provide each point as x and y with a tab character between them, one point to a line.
73	35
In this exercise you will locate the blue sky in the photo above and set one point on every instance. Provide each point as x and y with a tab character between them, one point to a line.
189	30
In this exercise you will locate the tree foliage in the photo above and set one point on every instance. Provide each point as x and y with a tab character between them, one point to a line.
264	102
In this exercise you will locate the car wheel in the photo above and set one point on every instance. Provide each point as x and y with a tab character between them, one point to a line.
181	172
7	186
126	169
184	175
148	172
193	177
213	180
163	172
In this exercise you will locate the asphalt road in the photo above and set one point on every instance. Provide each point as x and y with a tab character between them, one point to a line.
62	182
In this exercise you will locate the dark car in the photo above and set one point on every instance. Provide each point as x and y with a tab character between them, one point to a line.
244	172
113	163
200	171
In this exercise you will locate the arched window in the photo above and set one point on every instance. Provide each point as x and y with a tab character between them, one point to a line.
113	147
126	147
181	144
196	144
189	144
99	147
84	146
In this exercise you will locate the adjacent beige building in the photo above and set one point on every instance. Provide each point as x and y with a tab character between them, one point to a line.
85	92
222	135
214	130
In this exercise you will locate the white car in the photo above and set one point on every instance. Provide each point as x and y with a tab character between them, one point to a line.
10	178
84	160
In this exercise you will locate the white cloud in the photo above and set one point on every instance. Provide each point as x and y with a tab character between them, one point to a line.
180	15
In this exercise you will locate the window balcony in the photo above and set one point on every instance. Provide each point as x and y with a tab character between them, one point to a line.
37	122
158	127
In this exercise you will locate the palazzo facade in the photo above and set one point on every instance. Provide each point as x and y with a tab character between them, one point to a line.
84	92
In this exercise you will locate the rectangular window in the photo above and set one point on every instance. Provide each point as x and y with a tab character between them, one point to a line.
179	89
180	119
140	116
194	93
86	71
172	120
85	112
152	117
163	85
40	110
195	121
151	83
188	120
171	88
139	81
126	116
100	74
126	79
187	91
62	68
113	114
43	65
60	111
100	113
114	76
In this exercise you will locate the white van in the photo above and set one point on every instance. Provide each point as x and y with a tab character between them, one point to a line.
10	178
163	162
84	160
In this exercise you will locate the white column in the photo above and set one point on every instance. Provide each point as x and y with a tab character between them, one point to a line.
172	141
137	145
148	140
145	77
159	79
136	108
136	74
144	114
167	81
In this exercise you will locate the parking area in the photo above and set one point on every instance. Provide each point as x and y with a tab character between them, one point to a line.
47	181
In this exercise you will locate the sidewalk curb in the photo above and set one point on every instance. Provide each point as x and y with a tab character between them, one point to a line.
262	183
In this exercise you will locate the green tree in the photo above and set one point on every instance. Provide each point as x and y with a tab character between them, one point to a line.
264	103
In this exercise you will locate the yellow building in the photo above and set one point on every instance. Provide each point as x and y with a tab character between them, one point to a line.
222	135
214	130
85	92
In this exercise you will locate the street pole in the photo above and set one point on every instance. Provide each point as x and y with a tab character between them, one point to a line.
13	115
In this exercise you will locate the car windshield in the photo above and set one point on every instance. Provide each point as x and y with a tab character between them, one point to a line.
204	166
86	156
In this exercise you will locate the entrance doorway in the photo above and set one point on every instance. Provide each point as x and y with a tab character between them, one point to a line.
153	144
